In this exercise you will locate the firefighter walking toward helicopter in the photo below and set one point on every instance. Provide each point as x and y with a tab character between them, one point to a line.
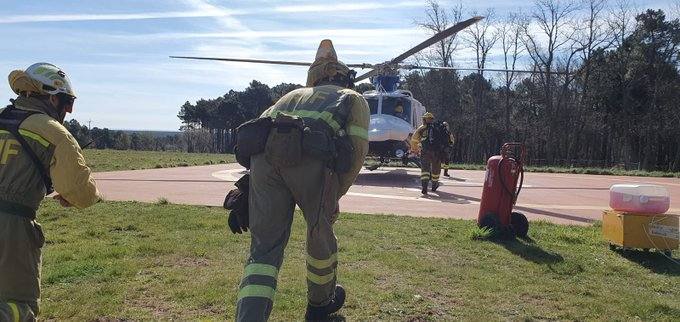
313	173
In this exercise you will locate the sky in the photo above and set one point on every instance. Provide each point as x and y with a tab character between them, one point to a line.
116	52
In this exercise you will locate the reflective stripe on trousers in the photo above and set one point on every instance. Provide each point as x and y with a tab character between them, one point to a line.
321	271
259	280
12	311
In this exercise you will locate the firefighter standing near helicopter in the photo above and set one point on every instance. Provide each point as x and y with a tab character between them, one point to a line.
425	142
312	173
37	154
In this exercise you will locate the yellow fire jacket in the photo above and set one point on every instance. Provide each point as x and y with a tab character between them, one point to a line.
20	181
341	109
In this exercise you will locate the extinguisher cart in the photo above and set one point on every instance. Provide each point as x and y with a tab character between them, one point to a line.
502	184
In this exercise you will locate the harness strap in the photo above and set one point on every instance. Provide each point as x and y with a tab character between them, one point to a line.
10	120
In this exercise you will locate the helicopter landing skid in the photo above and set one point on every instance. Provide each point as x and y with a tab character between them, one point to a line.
374	166
394	162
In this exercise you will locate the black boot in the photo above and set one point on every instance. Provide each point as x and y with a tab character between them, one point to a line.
446	173
424	191
435	185
321	313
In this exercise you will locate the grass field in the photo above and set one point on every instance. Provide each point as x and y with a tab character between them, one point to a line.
135	261
113	160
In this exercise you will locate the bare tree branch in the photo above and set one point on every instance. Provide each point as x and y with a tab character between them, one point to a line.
439	19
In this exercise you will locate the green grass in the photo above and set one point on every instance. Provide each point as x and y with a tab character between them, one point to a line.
113	160
135	261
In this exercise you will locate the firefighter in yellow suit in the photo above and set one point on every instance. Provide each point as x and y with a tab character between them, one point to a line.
44	97
431	161
329	109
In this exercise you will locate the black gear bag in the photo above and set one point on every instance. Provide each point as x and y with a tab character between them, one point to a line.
251	139
437	139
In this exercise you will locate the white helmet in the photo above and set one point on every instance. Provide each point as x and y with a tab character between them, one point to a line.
52	79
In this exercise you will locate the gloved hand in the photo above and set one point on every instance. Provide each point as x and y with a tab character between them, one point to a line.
237	202
238	221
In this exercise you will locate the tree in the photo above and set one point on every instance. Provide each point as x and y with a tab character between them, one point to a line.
439	19
552	17
510	37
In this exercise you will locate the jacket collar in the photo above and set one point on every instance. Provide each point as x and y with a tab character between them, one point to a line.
36	105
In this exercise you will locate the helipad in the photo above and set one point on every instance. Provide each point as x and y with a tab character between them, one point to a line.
560	198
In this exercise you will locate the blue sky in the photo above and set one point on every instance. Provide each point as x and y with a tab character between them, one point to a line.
116	52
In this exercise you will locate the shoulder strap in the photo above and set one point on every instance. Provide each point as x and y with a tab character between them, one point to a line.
10	120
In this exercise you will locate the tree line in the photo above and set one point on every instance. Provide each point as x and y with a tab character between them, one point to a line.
103	138
606	95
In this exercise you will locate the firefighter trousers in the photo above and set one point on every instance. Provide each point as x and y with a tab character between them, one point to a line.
431	166
21	242
274	192
12	311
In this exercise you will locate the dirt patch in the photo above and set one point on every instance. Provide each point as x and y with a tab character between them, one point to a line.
156	306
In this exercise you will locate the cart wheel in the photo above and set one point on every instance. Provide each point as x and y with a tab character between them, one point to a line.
489	221
612	247
519	223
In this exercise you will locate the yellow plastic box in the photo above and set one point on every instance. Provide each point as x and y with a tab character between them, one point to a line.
630	230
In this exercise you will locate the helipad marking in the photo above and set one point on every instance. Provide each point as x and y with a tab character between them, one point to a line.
231	175
405	198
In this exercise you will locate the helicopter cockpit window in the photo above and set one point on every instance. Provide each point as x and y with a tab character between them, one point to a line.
397	106
373	105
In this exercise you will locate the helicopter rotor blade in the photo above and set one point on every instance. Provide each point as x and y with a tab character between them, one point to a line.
437	37
411	67
244	60
262	61
370	73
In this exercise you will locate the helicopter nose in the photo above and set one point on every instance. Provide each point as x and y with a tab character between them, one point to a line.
387	127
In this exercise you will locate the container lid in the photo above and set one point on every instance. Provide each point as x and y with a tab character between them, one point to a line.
640	189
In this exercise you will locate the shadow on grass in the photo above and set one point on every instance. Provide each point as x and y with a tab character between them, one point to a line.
528	250
525	248
653	261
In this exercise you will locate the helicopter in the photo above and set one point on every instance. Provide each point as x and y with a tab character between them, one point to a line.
395	113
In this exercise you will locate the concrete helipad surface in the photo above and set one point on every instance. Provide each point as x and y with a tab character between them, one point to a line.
559	198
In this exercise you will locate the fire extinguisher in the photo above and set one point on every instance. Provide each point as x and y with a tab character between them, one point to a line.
502	185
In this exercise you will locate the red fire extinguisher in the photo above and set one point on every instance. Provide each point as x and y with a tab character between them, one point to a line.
501	188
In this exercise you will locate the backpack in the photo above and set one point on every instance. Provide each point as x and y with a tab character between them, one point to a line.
437	138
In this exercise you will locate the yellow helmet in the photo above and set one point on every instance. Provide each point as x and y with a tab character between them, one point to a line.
326	64
428	116
41	79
